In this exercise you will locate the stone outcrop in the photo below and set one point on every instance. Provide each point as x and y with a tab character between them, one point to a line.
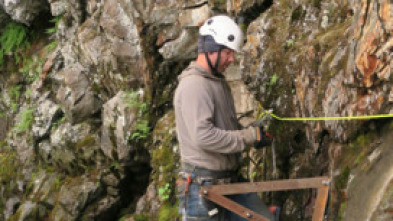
24	11
92	135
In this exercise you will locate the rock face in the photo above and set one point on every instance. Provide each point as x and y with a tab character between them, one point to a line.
89	134
24	11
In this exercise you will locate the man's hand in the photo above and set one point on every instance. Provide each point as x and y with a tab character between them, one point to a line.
263	138
264	121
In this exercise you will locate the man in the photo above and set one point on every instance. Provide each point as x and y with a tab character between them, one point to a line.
210	137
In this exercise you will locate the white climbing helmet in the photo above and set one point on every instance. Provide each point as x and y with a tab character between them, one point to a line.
224	31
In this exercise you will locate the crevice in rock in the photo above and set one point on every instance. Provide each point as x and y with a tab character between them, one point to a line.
195	6
83	10
254	12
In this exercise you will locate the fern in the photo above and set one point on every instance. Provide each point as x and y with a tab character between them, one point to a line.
55	21
51	46
141	129
14	38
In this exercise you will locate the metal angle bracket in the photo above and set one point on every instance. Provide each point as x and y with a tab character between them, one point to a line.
216	194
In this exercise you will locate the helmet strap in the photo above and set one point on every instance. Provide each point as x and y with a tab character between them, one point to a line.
213	68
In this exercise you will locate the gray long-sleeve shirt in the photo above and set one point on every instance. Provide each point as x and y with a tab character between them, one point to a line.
207	128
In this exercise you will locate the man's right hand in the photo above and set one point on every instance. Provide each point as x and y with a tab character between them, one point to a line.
263	138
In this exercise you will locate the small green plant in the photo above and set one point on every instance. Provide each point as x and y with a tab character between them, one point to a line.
13	39
165	192
141	128
115	165
51	46
168	213
289	43
55	21
31	68
14	93
58	122
26	122
273	80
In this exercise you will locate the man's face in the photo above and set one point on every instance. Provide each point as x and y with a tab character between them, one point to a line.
227	57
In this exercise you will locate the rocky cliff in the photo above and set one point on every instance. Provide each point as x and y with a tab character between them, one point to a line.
86	122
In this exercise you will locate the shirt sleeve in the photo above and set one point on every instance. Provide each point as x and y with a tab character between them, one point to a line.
198	114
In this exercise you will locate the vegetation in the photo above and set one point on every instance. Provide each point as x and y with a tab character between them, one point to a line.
31	68
141	217
165	192
168	213
14	38
14	93
26	122
56	20
53	30
141	129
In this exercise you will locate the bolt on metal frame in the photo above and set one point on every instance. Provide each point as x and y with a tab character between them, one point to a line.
216	194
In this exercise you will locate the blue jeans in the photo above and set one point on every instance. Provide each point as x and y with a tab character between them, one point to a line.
194	207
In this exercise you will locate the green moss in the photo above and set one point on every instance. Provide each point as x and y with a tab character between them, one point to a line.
31	68
342	180
8	166
341	212
168	213
363	140
88	141
141	217
163	160
26	122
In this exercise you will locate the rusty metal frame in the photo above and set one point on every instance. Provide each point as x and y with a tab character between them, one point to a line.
216	194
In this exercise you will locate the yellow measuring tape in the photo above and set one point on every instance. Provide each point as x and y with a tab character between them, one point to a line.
364	117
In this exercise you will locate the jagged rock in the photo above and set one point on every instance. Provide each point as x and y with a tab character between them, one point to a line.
118	121
184	47
372	185
102	209
165	160
20	138
10	206
26	210
74	197
111	180
148	203
24	11
78	101
47	112
4	17
72	148
58	7
91	43
194	17
243	99
43	186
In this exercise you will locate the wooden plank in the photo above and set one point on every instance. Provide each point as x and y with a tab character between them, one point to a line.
232	206
268	186
215	194
320	203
